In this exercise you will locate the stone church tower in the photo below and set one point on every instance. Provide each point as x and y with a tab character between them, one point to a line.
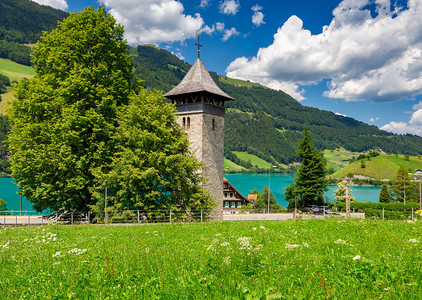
200	110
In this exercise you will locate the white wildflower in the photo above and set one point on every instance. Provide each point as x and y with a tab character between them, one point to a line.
291	246
227	260
212	245
218	234
340	241
414	241
306	245
224	244
57	254
56	263
262	227
5	246
357	257
147	250
254	228
245	243
77	251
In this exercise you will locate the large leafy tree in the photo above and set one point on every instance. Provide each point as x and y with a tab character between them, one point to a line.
64	119
310	182
262	200
152	168
404	188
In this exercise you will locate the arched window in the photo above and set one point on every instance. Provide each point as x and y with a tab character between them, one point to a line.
213	125
184	122
188	123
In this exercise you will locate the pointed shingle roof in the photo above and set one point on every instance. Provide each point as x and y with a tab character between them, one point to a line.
195	81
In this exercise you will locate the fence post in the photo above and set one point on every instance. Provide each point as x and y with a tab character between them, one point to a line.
29	220
89	217
170	216
138	216
412	213
353	212
4	220
71	218
16	221
383	213
201	215
232	216
42	221
57	217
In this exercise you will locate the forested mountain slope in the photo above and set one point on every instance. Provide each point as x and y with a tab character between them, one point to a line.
269	123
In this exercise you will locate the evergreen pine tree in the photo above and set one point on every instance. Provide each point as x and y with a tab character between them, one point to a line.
309	183
385	196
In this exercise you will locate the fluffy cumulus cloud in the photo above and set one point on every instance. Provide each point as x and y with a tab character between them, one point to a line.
375	57
154	21
204	3
229	7
414	126
258	16
60	4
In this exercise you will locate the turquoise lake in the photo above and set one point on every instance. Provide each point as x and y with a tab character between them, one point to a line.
243	182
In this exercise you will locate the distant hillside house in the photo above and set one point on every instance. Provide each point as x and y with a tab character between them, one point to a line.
233	199
417	174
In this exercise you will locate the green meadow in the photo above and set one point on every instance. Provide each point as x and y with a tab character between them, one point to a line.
312	259
255	160
232	166
381	167
14	70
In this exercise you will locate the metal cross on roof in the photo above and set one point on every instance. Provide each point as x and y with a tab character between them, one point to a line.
199	45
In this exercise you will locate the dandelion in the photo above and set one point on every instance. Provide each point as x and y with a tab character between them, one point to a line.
357	257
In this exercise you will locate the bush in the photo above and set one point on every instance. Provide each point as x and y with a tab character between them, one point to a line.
3	205
388	215
397	206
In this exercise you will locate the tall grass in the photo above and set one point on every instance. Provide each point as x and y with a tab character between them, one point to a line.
356	259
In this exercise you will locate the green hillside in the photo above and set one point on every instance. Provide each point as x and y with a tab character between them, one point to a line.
14	70
380	167
269	123
262	123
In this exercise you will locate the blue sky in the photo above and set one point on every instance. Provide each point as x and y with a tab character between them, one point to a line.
360	58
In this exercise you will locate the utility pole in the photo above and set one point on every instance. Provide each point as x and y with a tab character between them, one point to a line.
269	182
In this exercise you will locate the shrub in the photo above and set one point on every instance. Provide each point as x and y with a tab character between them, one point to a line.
395	206
388	215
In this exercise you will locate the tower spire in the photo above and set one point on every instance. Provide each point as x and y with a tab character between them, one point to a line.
199	45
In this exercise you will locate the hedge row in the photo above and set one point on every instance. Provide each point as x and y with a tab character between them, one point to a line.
388	215
396	206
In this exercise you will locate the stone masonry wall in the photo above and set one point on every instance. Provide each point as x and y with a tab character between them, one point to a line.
207	145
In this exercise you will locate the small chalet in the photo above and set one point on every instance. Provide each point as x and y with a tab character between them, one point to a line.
233	199
417	174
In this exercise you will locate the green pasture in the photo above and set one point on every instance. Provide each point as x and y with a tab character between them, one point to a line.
313	259
255	160
338	156
14	70
380	167
232	166
237	82
5	98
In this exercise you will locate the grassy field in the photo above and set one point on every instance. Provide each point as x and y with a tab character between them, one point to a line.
14	70
232	166
237	82
5	98
338	157
334	259
381	167
255	160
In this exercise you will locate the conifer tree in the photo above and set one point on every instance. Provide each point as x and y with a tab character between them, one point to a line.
403	189
310	182
385	196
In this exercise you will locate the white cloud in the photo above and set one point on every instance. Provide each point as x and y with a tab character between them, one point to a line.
220	26
228	33
402	128
154	21
258	16
417	105
365	57
372	120
60	4
229	7
340	114
204	3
